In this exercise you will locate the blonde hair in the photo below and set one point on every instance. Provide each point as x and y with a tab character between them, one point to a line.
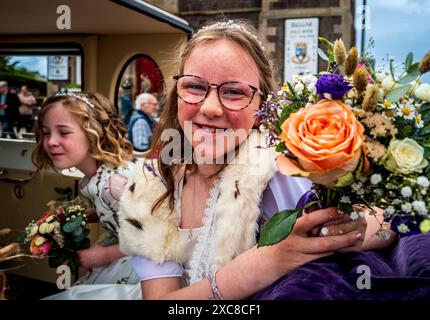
239	32
104	130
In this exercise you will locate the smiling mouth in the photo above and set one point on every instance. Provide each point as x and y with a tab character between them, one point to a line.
209	129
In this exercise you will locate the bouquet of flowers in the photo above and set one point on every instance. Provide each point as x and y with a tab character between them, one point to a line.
362	137
59	233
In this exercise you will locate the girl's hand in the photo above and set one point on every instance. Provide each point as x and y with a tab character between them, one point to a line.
367	224
299	248
97	256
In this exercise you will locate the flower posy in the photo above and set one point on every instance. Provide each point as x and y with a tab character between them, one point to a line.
358	135
59	233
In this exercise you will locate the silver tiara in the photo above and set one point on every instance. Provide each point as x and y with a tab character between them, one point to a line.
229	25
74	95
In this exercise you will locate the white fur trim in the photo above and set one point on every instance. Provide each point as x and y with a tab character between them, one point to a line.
159	238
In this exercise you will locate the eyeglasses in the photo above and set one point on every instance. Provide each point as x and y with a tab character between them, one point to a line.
232	95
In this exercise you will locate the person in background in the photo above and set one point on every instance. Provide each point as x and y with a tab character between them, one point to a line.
126	98
9	112
142	121
28	102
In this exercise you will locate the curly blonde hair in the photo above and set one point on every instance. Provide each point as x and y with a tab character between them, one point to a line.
104	130
240	32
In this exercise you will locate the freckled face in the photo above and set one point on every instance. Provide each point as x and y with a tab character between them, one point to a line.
217	62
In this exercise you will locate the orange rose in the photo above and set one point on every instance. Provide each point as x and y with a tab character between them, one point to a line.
327	140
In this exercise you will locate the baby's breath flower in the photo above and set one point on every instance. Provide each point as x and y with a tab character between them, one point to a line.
420	207
406	192
390	211
402	228
345	199
375	178
407	207
423	181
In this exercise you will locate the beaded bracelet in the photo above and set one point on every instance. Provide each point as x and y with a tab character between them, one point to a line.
216	295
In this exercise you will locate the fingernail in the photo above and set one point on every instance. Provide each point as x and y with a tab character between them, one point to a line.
358	235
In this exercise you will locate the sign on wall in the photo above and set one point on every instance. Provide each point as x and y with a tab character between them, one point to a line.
301	45
58	67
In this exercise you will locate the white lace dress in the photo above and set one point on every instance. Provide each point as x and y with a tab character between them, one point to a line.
116	280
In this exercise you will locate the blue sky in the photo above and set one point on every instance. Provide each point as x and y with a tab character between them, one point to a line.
397	26
33	63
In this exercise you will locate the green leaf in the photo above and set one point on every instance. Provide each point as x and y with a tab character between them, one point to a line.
278	227
326	42
322	55
79	238
395	94
413	68
78	231
409	60
57	259
425	109
345	207
404	132
281	147
73	224
345	180
409	77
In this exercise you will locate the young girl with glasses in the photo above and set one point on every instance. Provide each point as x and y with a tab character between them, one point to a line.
192	219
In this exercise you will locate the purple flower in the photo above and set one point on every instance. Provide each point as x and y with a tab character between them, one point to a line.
333	84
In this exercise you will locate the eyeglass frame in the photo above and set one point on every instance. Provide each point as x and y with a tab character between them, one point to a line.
217	86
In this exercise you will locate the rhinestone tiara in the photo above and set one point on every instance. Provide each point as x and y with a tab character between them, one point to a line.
74	95
230	24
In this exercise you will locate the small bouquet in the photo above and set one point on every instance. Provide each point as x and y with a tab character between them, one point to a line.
59	233
362	137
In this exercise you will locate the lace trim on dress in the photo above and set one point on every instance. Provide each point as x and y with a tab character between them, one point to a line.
200	258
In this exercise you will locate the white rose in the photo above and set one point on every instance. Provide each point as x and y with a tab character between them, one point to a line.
405	156
50	228
39	241
43	227
423	92
34	230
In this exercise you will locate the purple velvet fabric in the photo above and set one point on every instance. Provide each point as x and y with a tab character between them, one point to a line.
400	272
